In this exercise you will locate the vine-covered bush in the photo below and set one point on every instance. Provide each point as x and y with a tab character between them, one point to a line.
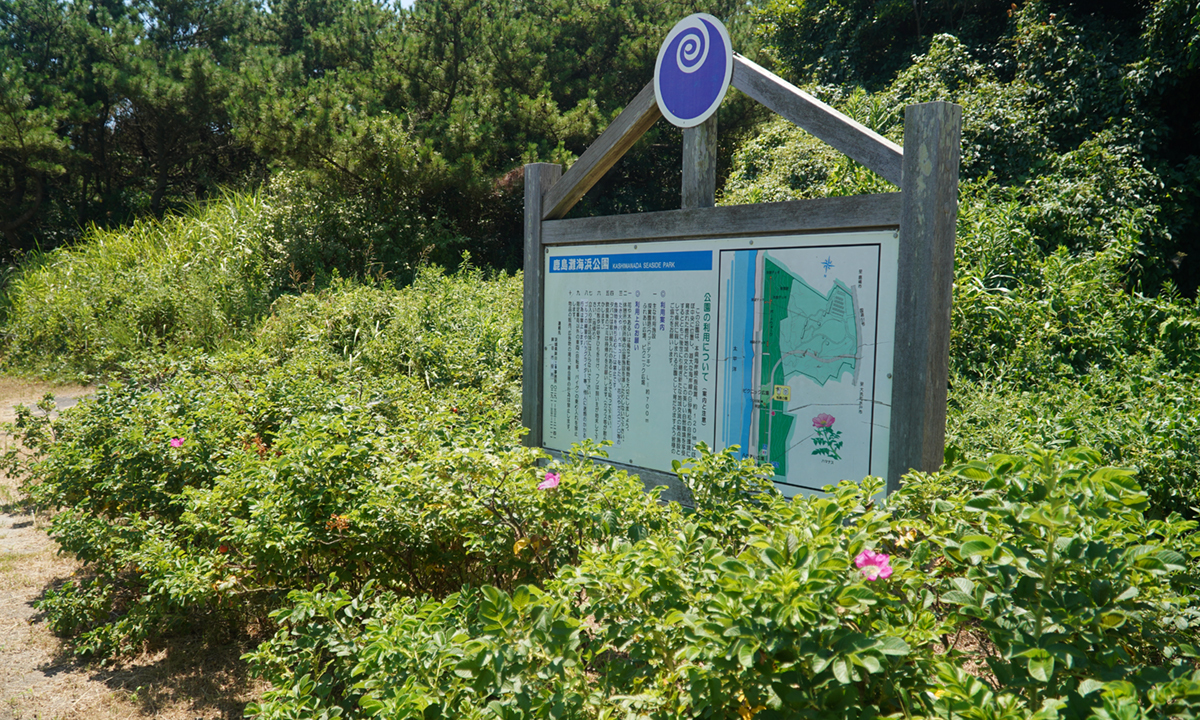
1063	331
196	282
1053	349
444	330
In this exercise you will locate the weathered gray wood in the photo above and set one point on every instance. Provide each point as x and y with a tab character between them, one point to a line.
928	215
700	165
820	214
843	133
617	138
538	178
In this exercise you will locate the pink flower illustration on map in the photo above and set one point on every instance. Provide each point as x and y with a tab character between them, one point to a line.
826	440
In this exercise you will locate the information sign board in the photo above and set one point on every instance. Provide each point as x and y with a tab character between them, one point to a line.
780	345
798	330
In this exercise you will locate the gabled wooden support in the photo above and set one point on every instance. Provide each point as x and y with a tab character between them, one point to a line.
925	282
700	165
842	132
615	141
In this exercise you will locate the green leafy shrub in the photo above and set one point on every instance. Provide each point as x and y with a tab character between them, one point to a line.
315	232
1142	416
1078	603
1056	561
458	329
198	282
327	452
220	486
1056	338
1052	349
220	483
673	625
782	162
369	432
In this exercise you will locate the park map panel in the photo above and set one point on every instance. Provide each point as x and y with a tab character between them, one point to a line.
781	346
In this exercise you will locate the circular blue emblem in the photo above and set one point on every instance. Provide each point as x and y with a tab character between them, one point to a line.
695	64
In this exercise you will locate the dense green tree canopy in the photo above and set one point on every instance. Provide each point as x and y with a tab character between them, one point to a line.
419	119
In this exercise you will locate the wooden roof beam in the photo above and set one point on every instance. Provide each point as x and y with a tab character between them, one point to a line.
843	133
615	141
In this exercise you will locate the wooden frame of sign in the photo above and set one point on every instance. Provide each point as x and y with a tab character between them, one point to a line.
924	211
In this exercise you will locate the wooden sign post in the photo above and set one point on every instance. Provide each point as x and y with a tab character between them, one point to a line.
658	330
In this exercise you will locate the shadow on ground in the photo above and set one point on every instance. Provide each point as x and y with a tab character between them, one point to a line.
187	676
181	678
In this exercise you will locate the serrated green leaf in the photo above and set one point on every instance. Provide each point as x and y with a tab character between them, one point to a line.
977	545
1121	477
892	645
773	558
972	471
980	504
745	654
819	663
1087	686
963	584
854	595
1151	563
1112	620
958	597
1172	560
941	507
1042	668
841	670
734	567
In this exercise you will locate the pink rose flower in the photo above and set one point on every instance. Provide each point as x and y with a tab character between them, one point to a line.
873	565
176	442
550	482
823	420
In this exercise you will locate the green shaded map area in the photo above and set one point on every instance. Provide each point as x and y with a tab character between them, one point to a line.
814	334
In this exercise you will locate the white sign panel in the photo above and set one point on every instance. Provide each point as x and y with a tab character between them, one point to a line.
781	346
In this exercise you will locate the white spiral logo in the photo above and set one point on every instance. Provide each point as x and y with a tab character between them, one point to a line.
693	48
693	70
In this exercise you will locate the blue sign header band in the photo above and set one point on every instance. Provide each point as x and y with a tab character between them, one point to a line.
634	262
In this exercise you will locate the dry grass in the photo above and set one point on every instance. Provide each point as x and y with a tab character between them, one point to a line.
17	391
181	679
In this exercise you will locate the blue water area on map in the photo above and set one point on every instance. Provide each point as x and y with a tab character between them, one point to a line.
633	262
739	351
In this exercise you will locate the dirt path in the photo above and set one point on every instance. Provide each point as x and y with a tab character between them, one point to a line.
184	681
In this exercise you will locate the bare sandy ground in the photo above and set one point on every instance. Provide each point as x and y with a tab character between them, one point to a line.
39	679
